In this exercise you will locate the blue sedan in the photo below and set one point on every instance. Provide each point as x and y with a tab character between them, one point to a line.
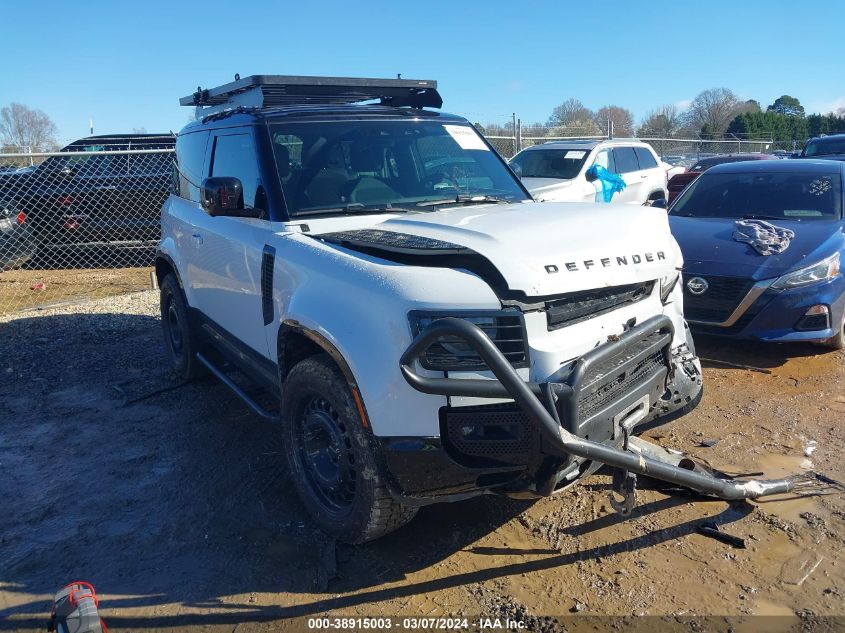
782	284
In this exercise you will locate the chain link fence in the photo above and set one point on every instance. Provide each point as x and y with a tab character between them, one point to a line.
676	150
82	222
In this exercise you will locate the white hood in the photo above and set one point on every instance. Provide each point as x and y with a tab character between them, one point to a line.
551	248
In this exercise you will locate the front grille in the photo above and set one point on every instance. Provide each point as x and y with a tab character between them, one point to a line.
720	299
574	307
609	380
506	330
489	430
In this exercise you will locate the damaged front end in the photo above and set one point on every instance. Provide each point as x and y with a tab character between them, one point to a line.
586	418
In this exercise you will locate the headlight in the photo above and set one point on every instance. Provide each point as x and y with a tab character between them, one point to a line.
667	285
504	327
826	269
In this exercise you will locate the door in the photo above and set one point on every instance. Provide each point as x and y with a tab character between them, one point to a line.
653	175
595	193
628	167
226	284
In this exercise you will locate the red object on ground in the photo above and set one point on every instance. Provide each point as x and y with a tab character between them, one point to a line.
75	610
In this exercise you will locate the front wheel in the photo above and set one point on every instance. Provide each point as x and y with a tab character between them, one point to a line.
838	341
331	457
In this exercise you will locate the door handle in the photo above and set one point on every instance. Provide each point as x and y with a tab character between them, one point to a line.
644	176
197	238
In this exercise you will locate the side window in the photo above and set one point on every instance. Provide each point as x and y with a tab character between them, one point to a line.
605	159
626	160
234	155
645	158
190	155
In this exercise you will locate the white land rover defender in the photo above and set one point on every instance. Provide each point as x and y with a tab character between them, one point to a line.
430	332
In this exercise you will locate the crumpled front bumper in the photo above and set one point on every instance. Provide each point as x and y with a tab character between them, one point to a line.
610	391
582	421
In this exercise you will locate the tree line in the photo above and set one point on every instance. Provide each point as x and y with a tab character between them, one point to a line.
715	113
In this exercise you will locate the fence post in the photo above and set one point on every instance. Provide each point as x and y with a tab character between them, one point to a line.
519	135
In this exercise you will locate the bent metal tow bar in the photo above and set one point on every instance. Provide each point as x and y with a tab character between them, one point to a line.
558	440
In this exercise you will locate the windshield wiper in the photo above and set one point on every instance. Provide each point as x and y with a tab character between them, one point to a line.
754	216
464	199
353	208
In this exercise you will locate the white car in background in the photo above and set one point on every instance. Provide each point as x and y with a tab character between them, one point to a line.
557	171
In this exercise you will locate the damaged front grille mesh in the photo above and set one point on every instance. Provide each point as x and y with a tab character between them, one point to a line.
574	307
607	381
613	389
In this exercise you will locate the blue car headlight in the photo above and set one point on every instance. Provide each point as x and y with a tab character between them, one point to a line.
826	269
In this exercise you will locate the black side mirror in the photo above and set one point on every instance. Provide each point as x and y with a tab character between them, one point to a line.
590	175
223	195
660	203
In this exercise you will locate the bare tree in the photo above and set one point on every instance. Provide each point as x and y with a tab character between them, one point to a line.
712	110
621	118
570	113
24	127
663	122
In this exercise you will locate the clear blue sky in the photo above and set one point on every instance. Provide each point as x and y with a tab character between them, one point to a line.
127	63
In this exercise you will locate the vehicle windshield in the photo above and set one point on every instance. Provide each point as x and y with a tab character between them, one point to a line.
825	147
776	196
550	163
359	166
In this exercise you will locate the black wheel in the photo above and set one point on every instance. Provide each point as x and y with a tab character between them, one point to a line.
838	341
179	340
331	456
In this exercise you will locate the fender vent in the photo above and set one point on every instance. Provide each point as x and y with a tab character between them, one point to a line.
268	258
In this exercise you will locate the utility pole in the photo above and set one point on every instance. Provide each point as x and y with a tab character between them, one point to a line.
91	125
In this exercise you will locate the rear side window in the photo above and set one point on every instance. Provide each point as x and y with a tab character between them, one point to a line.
645	158
234	156
190	155
626	160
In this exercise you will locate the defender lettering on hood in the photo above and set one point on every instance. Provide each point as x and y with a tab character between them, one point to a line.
518	246
607	262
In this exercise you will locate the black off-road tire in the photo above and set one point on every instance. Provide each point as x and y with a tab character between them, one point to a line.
341	484
838	341
180	342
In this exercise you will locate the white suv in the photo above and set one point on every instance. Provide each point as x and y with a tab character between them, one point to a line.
557	171
424	330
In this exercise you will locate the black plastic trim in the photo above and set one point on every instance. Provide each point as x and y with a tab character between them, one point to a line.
268	259
259	368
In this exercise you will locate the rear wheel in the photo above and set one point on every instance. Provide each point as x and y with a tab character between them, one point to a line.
179	339
331	457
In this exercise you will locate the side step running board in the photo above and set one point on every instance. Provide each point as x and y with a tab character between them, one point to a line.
243	395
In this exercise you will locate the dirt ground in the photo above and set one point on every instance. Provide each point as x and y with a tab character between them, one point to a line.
175	503
24	289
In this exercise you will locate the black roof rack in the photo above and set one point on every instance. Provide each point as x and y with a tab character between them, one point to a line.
262	91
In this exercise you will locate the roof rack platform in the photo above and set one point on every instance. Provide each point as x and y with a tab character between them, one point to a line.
262	91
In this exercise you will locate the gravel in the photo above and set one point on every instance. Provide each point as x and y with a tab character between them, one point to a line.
143	303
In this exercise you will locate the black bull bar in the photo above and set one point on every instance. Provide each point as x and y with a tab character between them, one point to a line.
563	443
